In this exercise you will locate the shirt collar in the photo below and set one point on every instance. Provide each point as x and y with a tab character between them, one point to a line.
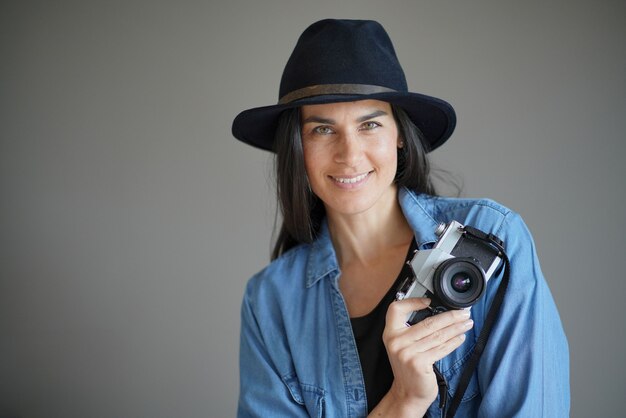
418	210
322	259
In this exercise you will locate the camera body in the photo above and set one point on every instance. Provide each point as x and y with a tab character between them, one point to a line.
453	274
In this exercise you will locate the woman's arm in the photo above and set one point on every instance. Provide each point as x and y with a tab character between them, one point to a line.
524	370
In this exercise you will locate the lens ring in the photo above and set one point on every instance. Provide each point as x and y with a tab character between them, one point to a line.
459	282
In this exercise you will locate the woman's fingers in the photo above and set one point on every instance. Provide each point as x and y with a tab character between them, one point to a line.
399	311
440	351
435	324
421	355
434	332
443	341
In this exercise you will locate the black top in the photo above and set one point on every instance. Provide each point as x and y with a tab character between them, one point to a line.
368	332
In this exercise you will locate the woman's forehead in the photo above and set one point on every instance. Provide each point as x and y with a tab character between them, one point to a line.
357	108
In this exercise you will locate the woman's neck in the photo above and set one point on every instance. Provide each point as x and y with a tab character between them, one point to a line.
364	236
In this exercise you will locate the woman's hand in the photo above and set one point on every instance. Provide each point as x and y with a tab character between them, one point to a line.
413	350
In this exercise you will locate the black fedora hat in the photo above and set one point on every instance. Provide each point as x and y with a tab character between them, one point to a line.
341	61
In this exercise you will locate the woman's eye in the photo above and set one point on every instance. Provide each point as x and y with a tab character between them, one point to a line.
323	130
370	125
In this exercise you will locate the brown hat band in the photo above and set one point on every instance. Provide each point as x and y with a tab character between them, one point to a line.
322	89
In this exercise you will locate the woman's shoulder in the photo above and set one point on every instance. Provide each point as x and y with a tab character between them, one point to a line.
482	213
485	214
442	206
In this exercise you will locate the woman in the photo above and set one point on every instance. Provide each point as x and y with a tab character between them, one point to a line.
321	333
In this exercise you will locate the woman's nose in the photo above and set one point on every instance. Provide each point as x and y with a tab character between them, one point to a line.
349	150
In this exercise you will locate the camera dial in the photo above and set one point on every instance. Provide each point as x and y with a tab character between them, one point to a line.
441	228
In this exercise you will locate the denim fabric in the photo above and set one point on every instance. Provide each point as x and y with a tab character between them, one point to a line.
298	357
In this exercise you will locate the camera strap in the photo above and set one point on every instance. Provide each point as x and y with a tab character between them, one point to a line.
470	367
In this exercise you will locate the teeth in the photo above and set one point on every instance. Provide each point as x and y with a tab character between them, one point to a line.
350	180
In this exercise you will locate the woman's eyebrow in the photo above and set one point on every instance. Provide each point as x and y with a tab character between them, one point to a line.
318	119
372	115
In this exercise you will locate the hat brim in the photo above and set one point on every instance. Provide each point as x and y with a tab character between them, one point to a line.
434	117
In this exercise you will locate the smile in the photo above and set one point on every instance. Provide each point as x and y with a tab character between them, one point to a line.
350	180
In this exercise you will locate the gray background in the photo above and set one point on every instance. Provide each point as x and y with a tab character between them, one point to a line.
130	219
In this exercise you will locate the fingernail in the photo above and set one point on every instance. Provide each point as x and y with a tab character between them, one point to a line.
465	313
468	324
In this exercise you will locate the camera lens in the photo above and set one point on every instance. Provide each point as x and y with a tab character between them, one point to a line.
459	282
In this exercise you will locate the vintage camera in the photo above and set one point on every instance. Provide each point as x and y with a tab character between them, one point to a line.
454	273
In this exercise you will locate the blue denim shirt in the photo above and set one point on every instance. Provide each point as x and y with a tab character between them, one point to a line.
298	357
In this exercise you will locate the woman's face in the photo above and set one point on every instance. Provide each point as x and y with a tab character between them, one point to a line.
350	154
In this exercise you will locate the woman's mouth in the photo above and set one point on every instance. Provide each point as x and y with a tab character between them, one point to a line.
350	179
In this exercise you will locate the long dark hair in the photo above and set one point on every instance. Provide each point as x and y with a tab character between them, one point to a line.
302	212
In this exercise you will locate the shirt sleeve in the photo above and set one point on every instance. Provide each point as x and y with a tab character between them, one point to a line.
263	391
524	370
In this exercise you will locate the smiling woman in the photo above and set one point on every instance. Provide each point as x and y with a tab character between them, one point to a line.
303	211
321	334
350	156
